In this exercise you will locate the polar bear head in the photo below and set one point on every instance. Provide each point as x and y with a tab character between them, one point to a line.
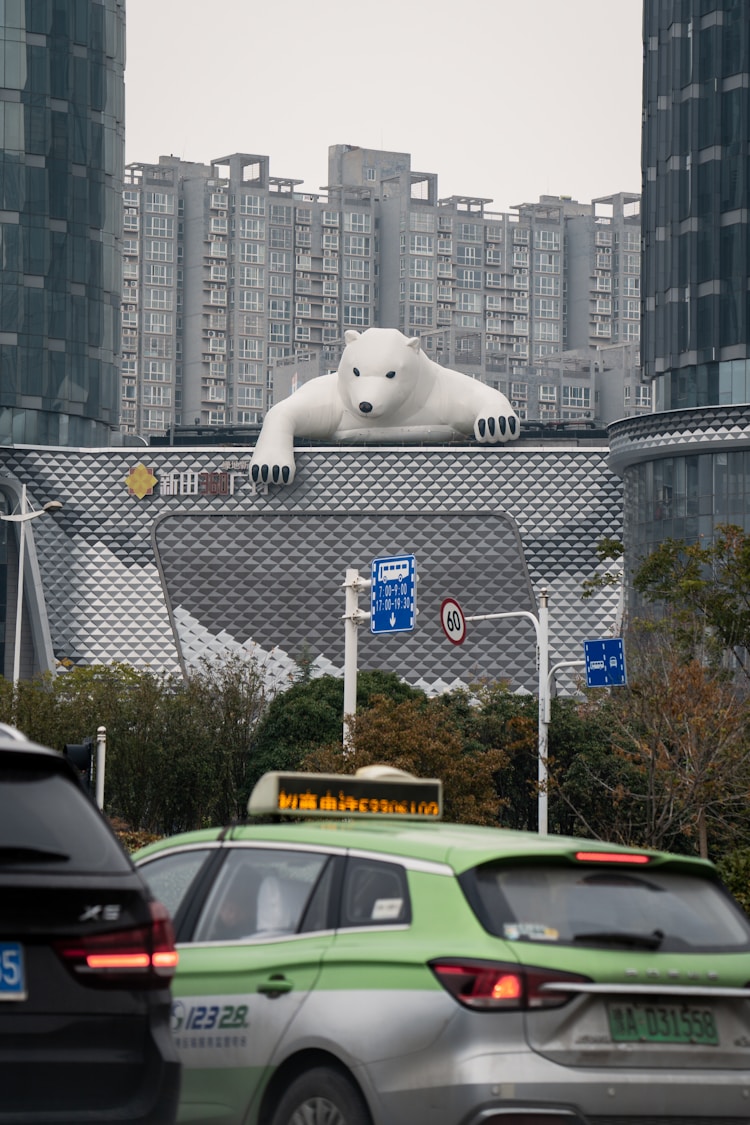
379	372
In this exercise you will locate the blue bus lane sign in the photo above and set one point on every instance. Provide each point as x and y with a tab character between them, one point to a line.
393	594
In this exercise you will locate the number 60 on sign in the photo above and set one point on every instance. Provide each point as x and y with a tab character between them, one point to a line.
453	621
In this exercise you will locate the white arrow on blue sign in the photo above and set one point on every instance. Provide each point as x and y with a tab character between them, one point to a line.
605	663
393	594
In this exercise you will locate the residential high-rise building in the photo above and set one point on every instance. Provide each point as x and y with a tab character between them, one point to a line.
61	164
686	468
230	273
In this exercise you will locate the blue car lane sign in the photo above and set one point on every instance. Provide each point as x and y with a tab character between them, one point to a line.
393	594
605	663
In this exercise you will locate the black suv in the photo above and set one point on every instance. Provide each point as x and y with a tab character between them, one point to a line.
87	956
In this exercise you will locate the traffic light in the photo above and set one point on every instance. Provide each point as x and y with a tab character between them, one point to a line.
80	755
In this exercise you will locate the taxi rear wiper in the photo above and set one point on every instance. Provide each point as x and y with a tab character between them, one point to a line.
617	937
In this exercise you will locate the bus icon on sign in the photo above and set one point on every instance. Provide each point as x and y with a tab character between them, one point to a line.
393	570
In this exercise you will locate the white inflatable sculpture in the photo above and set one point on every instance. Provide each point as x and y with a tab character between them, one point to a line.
385	388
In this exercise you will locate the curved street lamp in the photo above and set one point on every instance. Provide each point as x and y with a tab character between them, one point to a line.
22	517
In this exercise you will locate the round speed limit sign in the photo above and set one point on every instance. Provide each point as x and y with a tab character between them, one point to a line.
453	621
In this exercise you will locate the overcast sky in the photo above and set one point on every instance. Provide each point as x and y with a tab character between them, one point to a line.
508	101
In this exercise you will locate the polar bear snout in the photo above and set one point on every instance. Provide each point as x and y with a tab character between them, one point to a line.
365	407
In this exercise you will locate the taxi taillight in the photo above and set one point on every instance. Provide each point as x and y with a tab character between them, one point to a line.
496	986
138	957
637	858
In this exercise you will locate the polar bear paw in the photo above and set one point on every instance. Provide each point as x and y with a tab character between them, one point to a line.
271	469
491	428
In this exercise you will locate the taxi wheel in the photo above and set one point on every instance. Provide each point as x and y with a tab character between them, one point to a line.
321	1097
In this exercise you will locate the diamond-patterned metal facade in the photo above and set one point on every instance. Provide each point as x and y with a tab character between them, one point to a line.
164	580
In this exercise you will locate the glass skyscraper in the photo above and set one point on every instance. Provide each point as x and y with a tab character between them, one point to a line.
686	467
61	169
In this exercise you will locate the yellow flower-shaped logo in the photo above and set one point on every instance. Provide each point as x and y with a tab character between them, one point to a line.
140	482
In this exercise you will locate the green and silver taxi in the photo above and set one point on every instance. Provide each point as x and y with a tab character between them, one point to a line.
348	959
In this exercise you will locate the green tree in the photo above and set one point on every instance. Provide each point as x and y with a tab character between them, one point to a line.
707	584
310	714
420	736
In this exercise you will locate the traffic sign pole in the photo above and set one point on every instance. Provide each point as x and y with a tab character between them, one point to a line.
541	627
353	617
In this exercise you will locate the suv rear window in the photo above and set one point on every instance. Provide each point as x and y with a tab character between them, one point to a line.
658	909
46	821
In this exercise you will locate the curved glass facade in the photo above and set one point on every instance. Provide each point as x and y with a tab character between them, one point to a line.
696	260
61	169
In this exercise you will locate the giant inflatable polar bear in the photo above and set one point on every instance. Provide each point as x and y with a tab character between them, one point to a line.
385	388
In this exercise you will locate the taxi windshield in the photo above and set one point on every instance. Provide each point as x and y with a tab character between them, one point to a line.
658	909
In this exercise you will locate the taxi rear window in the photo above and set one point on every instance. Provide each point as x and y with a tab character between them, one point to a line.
654	910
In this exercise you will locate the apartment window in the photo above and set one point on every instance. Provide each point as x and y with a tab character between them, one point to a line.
252	205
217	417
157	396
421	291
631	333
251	397
546	307
303	308
356	291
280	238
156	251
520	258
158	275
156	419
519	391
421	244
330	218
546	263
520	281
279	285
279	309
218	297
216	393
493	302
421	267
547	330
158	299
494	324
643	396
422	221
217	249
303	215
520	327
357	244
358	222
469	232
249	348
251	276
129	318
281	213
250	300
469	302
249	372
217	344
546	240
279	261
357	316
546	286
253	229
631	263
357	269
468	256
217	369
156	226
130	222
547	393
469	279
302	332
157	322
218	225
130	198
578	398
218	199
494	279
494	257
254	252
631	287
521	304
330	240
420	316
279	333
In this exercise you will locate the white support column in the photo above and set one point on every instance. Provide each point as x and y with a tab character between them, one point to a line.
101	753
543	656
353	617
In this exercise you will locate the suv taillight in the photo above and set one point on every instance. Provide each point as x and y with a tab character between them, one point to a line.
140	957
496	986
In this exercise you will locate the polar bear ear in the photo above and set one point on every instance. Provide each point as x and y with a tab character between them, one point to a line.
350	336
413	343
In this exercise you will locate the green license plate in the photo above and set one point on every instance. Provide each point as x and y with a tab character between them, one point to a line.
662	1023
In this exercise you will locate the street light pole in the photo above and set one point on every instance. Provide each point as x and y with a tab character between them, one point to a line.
22	517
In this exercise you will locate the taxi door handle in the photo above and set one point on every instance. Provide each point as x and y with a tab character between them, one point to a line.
274	986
